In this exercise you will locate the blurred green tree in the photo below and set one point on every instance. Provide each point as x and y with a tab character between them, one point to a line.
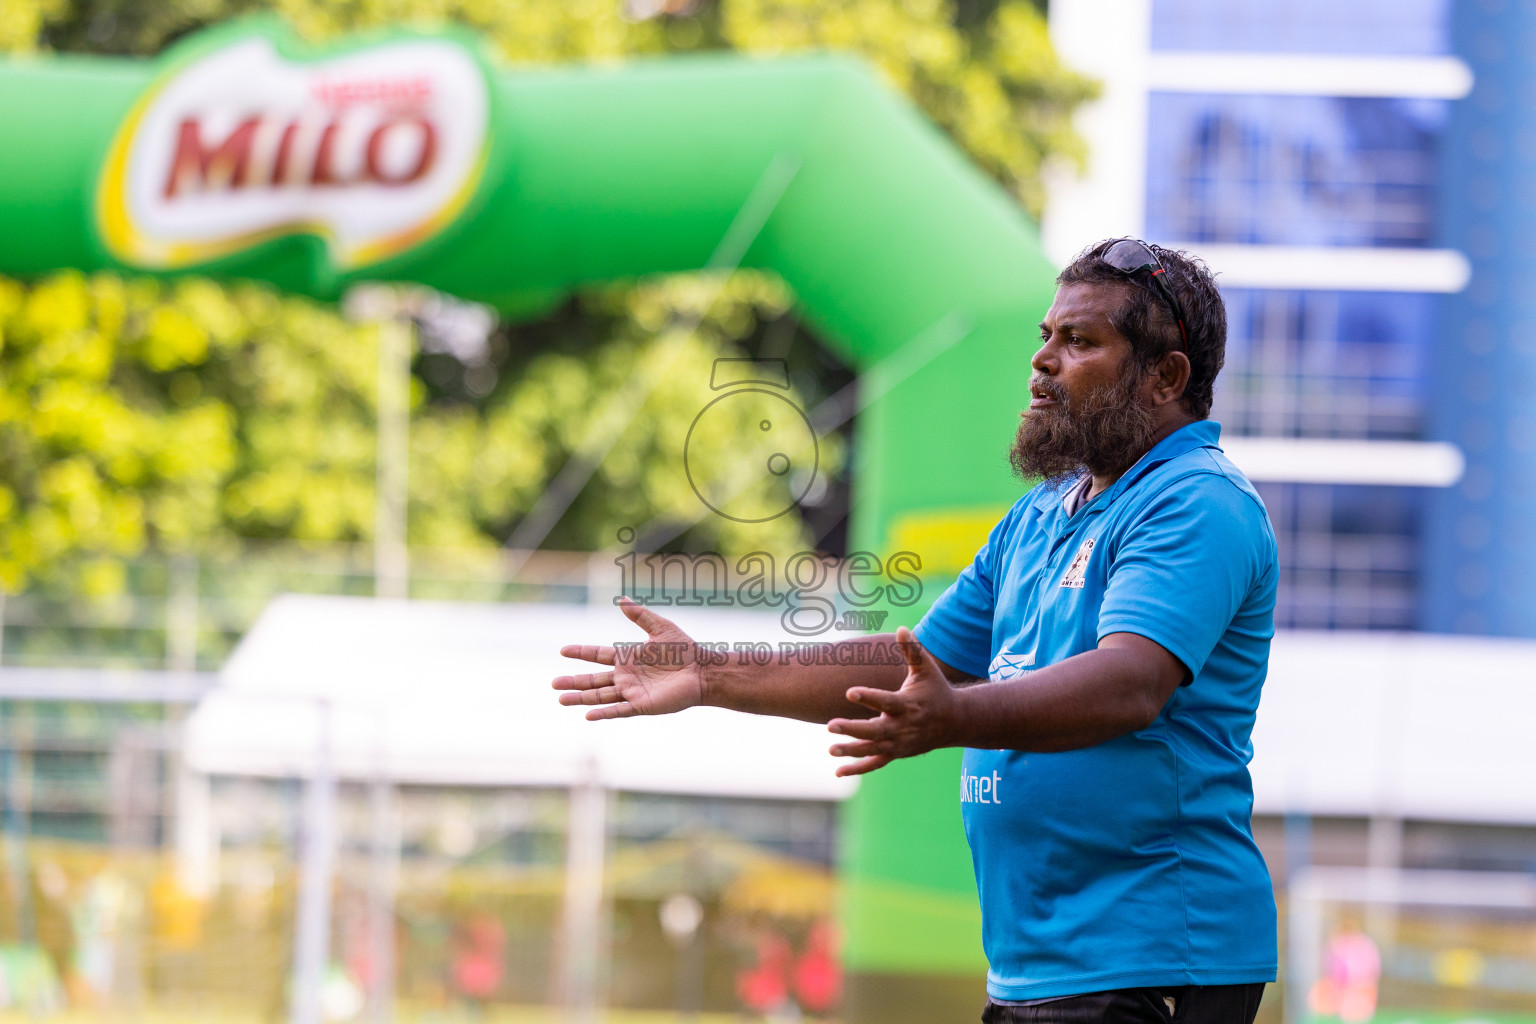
138	414
177	416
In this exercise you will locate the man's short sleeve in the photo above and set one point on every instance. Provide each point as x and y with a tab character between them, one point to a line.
958	628
1183	570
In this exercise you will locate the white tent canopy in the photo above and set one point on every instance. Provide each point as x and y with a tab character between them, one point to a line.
1399	725
456	693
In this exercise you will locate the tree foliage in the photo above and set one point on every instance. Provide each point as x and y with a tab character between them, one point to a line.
137	414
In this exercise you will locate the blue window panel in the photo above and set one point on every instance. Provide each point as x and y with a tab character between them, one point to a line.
1334	364
1396	27
1349	556
1325	364
1293	170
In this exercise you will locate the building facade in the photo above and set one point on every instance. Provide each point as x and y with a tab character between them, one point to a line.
1351	170
1479	565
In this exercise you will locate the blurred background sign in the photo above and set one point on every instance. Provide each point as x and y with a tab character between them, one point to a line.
373	151
219	801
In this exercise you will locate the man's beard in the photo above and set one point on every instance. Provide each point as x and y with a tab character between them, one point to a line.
1105	432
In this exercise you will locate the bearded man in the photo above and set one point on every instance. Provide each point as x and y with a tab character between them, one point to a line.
1100	662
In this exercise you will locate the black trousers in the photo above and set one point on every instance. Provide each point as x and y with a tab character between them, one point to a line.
1192	1004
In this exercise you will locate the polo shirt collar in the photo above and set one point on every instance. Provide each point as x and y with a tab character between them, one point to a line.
1199	434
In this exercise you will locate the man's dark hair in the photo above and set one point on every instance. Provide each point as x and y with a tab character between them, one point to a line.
1148	323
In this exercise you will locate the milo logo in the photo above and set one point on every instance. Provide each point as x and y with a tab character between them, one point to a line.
373	150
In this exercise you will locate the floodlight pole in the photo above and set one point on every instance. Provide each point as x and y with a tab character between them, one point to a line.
586	842
401	316
384	870
311	942
197	842
391	558
181	614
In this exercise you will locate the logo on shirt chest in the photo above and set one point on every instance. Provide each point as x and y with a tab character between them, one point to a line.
1079	566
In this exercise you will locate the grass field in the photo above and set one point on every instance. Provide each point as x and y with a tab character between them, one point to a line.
403	1015
1400	1017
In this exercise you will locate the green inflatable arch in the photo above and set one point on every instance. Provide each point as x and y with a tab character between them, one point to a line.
910	263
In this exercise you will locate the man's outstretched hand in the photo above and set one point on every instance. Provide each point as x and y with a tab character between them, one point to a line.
657	677
919	717
666	673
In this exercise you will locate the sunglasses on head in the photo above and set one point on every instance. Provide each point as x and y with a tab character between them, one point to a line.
1129	256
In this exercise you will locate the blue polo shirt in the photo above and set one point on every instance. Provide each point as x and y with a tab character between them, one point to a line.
1131	863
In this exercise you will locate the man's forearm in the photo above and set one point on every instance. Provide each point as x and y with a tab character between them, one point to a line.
1087	699
790	688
